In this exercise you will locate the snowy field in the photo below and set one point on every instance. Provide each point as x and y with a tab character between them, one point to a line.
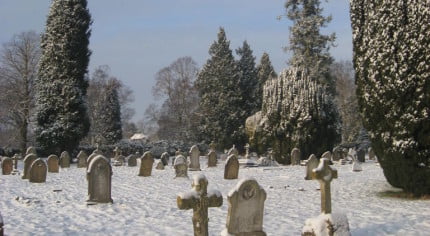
147	205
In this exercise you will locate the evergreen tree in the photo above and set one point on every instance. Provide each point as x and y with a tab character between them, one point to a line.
310	48
109	127
221	119
248	82
62	119
392	63
265	72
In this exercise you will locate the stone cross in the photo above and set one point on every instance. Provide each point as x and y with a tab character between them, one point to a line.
247	151
199	200
325	174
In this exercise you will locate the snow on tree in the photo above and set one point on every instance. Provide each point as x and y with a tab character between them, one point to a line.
61	112
392	62
298	108
265	71
108	121
221	118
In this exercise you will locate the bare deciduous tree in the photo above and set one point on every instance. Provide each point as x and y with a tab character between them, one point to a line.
18	70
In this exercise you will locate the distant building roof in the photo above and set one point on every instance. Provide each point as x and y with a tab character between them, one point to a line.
138	136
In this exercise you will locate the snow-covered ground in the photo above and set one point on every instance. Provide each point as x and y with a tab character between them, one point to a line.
147	205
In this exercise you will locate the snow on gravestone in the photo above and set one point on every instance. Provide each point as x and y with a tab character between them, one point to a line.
231	169
82	159
28	160
327	155
165	158
233	151
245	209
37	172
181	167
199	199
194	158
295	156
212	158
53	164
6	166
99	176
146	163
31	150
65	160
311	164
159	165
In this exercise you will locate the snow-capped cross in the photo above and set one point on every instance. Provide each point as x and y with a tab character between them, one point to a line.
325	174
199	200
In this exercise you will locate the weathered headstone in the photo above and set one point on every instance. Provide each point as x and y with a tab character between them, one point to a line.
194	159
159	165
28	160
327	155
165	158
37	172
146	164
212	158
181	167
311	164
31	150
65	160
6	166
324	174
337	153
361	154
99	176
212	146
53	164
15	159
233	151
245	209
132	160
295	156
199	200
231	170
371	153
82	159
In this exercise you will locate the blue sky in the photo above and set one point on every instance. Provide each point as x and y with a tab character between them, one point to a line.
136	38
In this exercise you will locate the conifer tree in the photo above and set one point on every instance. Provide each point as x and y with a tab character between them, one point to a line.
62	119
392	63
109	127
265	72
248	81
221	119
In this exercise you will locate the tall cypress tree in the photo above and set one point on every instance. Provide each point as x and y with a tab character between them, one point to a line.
220	97
62	119
109	120
265	72
248	82
392	63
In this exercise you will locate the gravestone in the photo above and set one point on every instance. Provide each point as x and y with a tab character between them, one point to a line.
53	164
233	151
65	160
212	159
371	153
247	151
119	160
146	164
37	172
361	154
212	146
28	160
92	156
231	170
165	158
295	156
159	165
132	159
194	159
245	209
199	200
99	176
337	153
31	150
327	155
311	164
7	166
356	166
324	174
181	167
82	159
15	159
